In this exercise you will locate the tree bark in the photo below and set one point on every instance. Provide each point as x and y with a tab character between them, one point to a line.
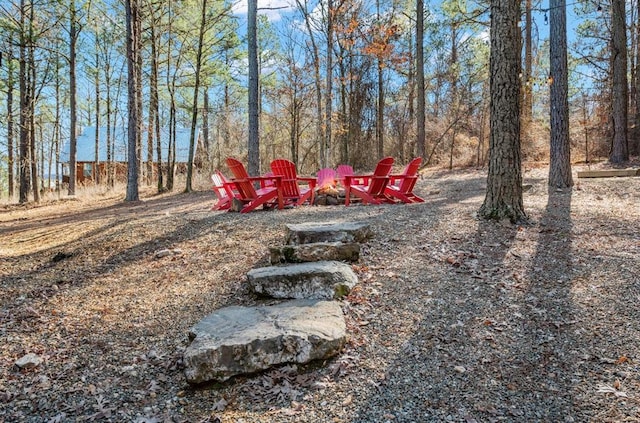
73	38
253	144
23	154
319	133
420	141
328	99
133	24
10	126
560	146
636	84
96	164
527	81
196	89
504	182
620	95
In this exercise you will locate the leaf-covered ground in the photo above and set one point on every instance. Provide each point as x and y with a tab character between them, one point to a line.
454	319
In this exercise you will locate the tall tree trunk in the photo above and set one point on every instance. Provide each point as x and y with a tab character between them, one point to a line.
196	89
73	38
96	164
32	100
420	141
133	23
344	114
110	169
527	80
154	113
380	105
319	133
10	125
620	95
455	101
328	99
171	153
380	111
57	135
504	182
636	84
560	148
205	122
253	144
411	83
23	159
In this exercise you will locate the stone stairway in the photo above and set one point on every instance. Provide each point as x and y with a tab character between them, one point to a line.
309	275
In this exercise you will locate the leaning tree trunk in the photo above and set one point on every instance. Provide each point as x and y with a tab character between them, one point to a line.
504	182
560	147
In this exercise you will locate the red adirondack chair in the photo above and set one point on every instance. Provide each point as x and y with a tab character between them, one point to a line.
401	186
342	171
292	192
372	190
251	197
224	190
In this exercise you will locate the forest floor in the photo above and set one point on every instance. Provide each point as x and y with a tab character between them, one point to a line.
455	319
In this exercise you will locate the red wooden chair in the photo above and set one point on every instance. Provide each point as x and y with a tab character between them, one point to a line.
401	186
251	197
372	190
342	171
292	192
224	190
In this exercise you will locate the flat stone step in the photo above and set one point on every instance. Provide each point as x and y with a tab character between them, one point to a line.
318	251
308	233
317	280
239	340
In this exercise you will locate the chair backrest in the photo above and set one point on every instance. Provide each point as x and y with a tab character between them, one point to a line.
241	179
289	178
342	171
326	177
380	177
410	176
219	187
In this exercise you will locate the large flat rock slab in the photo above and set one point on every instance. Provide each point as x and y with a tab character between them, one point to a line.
318	251
317	280
239	340
308	233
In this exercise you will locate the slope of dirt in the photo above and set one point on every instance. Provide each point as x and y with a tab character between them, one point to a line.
454	319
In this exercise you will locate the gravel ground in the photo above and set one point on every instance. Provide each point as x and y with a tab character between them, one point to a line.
455	319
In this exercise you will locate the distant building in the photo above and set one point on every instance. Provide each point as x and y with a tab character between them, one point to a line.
87	166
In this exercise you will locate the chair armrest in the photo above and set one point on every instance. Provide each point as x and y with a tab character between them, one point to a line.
358	179
263	179
308	180
393	178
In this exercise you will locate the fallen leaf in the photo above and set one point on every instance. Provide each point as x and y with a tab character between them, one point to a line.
605	389
622	359
347	401
220	405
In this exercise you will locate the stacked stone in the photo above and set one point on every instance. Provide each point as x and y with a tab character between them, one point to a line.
309	273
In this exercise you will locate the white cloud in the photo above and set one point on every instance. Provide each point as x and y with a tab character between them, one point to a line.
273	9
